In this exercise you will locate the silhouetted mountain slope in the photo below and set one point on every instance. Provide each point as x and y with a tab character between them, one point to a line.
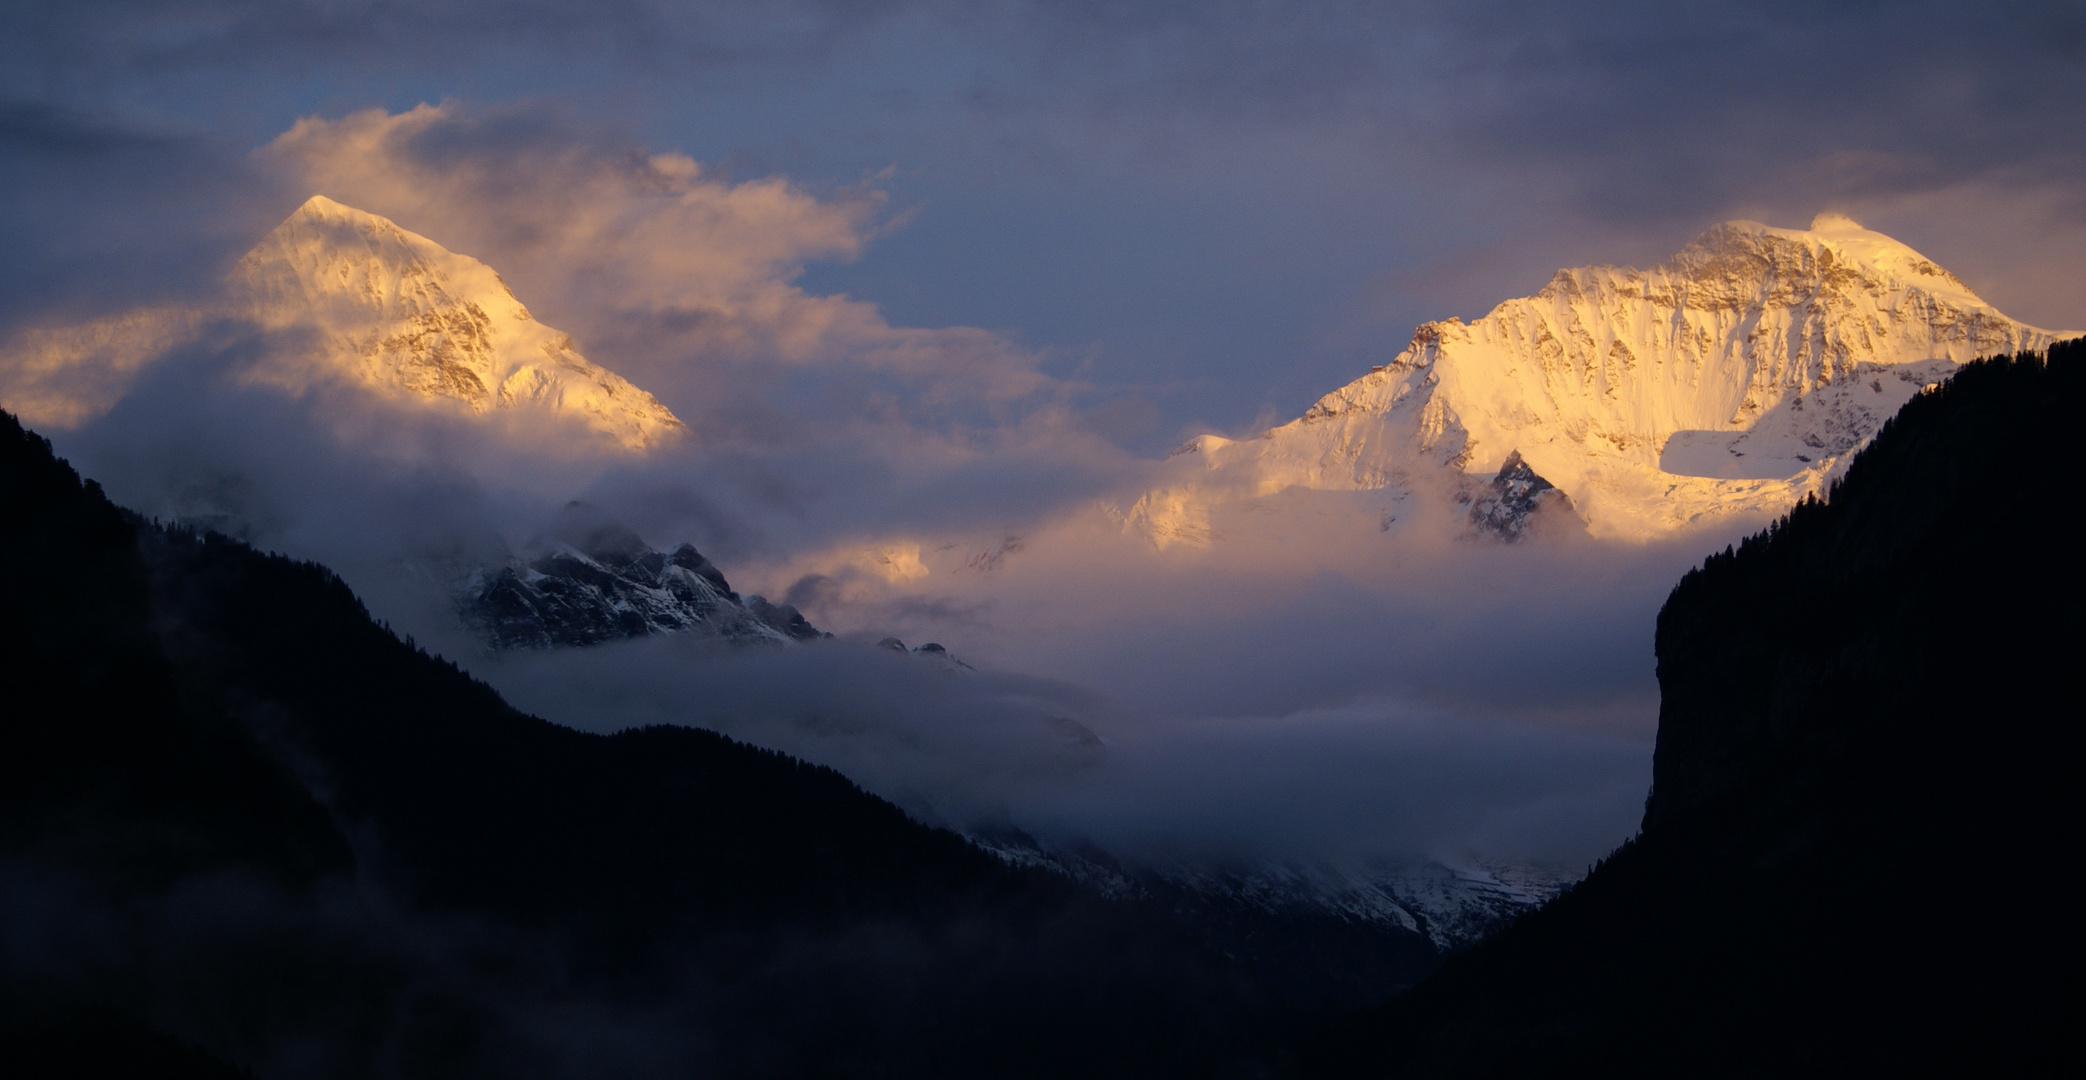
485	808
68	1042
1863	796
238	812
105	747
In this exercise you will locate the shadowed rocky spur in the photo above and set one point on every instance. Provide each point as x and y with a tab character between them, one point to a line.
590	579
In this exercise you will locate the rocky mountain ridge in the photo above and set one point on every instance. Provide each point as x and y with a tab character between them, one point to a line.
589	579
1323	934
1450	907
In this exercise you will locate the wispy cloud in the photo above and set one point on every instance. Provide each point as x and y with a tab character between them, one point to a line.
683	281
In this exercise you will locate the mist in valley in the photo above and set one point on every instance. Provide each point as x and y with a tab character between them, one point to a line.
1315	687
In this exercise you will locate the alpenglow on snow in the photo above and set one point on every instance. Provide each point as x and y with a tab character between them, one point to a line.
380	308
1732	380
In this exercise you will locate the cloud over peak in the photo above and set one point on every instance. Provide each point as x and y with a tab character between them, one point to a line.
679	278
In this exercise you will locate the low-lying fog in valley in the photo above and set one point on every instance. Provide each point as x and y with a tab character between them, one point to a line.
1315	685
1336	676
1031	539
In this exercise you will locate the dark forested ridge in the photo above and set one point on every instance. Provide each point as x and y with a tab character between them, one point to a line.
246	831
244	827
1854	859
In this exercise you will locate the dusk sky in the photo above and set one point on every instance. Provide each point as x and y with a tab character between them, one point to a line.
1206	215
954	274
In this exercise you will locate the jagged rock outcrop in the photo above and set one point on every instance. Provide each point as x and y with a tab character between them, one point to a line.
935	651
1733	379
1516	503
589	579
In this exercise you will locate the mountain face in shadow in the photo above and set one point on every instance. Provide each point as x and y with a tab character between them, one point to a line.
1862	797
1518	504
243	825
590	579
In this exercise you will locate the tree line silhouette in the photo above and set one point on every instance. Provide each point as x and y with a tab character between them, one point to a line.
1853	857
244	827
283	838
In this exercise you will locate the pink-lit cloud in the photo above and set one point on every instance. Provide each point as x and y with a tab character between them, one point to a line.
679	279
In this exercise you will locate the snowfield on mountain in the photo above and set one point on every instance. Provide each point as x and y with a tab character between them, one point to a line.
1733	380
350	298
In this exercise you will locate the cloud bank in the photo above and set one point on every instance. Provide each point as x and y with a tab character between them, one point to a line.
685	280
1312	687
951	275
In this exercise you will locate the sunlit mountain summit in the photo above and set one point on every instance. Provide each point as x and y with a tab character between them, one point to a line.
351	298
1735	378
402	314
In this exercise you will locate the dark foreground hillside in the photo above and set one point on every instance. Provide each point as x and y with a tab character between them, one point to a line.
244	828
1857	854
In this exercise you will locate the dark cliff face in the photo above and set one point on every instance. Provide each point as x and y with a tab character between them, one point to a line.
1914	622
1863	786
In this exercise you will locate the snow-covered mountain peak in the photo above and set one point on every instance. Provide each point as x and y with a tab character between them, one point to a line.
1731	379
587	579
1851	241
1836	252
329	252
399	313
350	297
